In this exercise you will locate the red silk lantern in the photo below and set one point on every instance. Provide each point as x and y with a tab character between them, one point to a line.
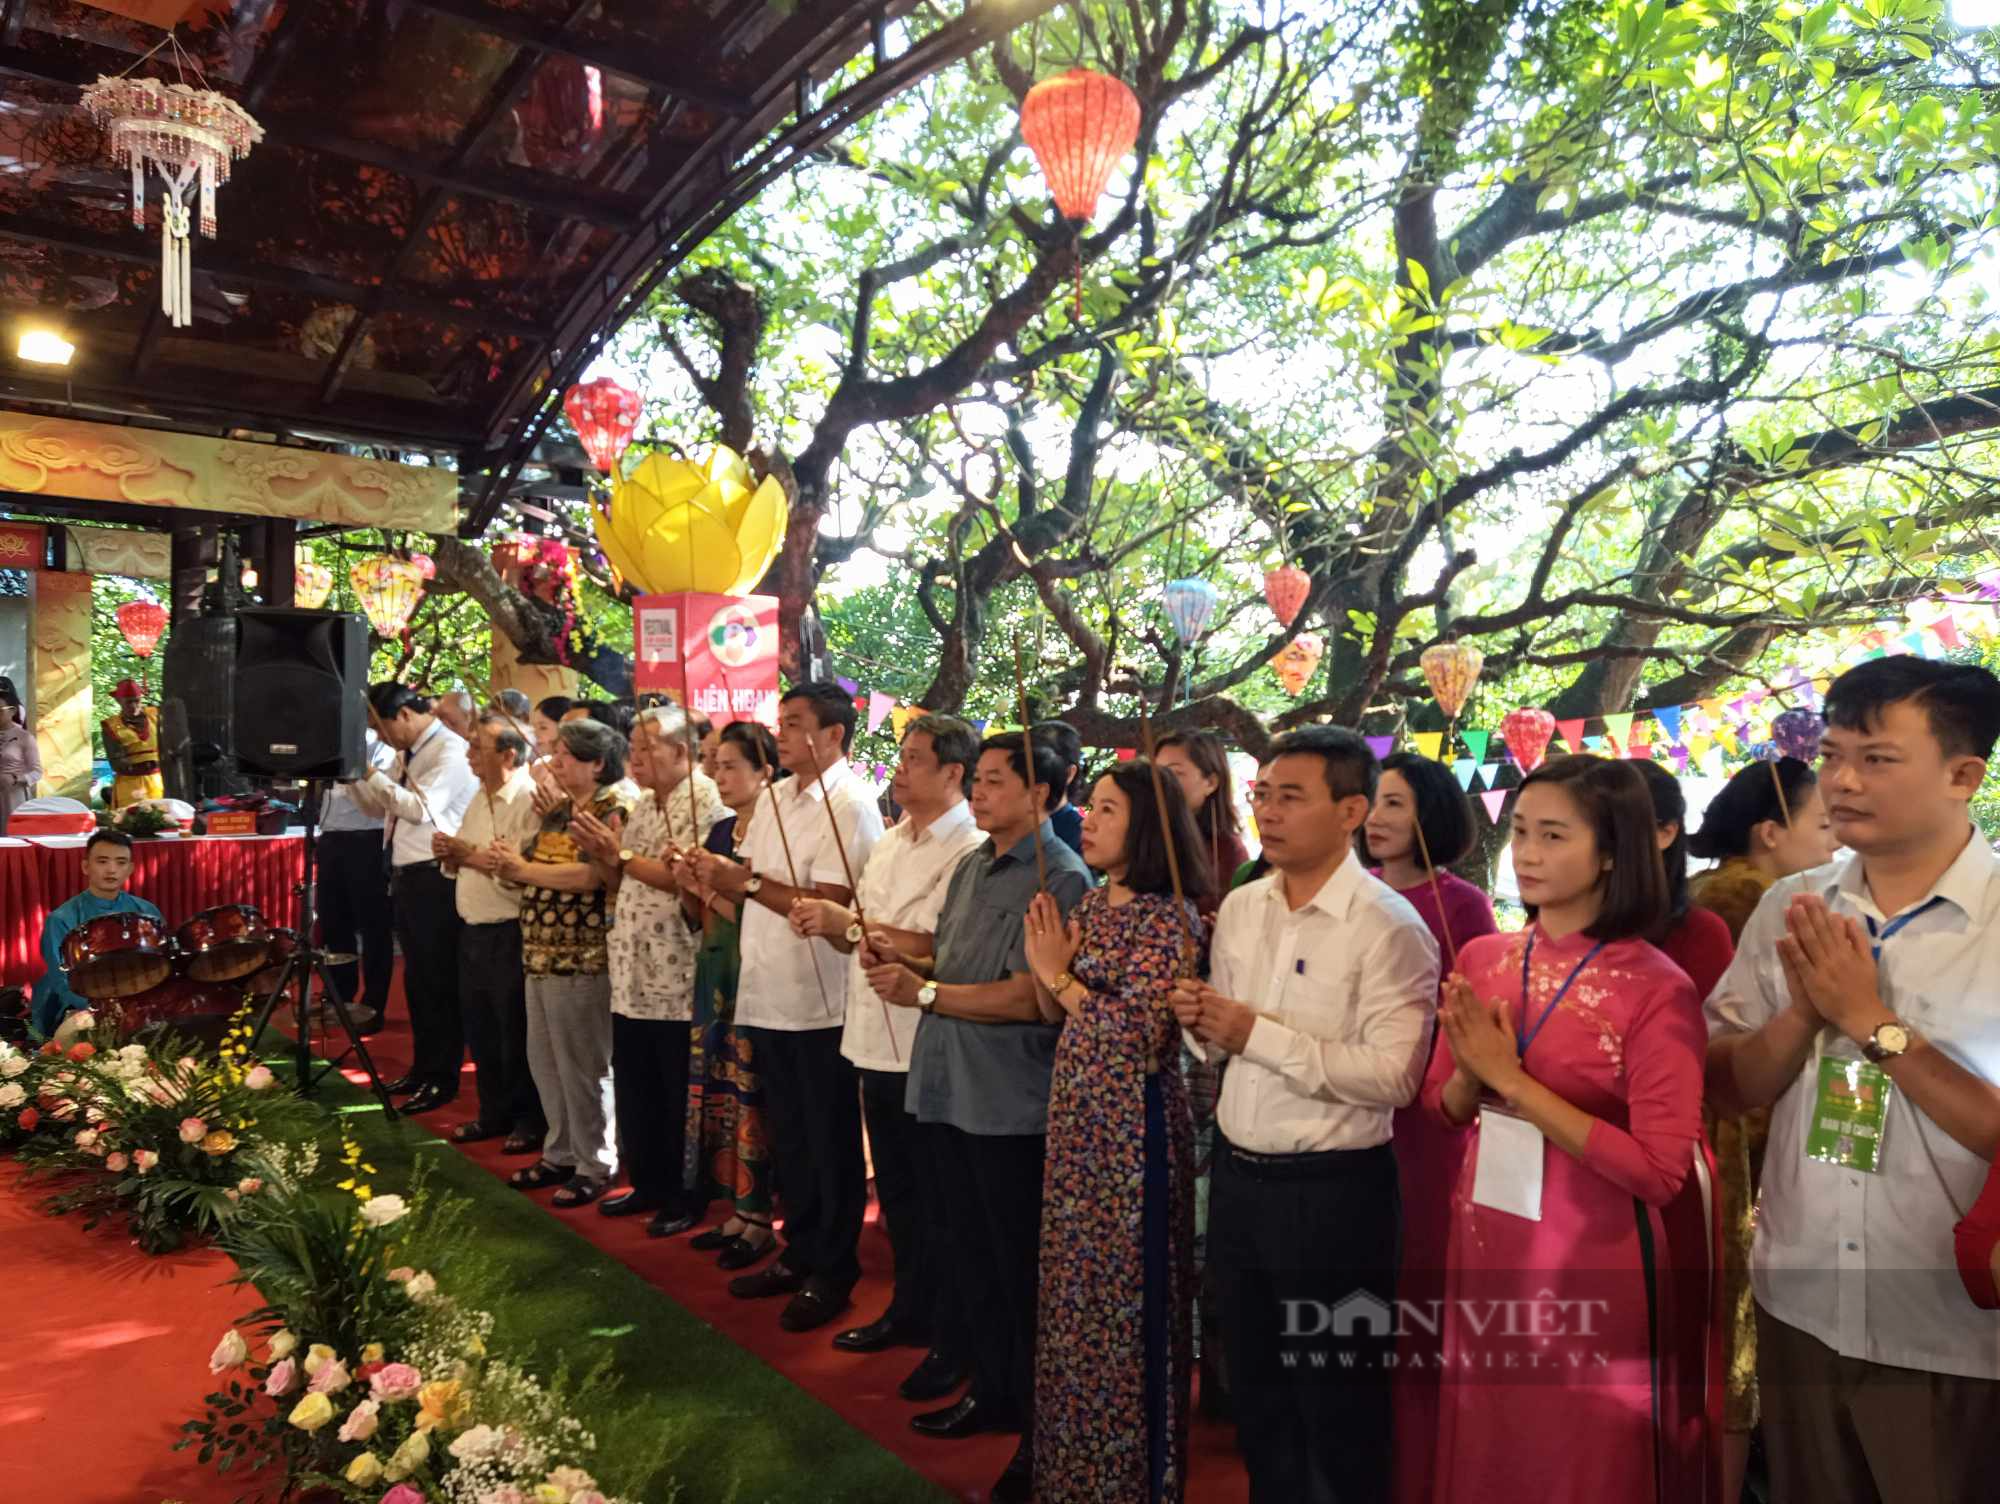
142	622
1078	125
1527	733
425	566
1286	588
603	413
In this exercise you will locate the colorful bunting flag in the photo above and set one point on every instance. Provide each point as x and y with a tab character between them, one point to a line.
1475	743
1463	769
1572	734
1495	800
879	706
1947	632
902	715
1593	744
1381	746
1429	743
1669	717
1619	729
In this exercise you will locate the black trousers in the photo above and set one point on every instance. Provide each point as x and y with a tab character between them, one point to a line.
909	1204
354	913
993	1197
812	1112
649	1079
937	1163
427	927
493	1003
1291	1238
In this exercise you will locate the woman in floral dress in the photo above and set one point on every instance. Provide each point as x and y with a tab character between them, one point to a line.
1114	1338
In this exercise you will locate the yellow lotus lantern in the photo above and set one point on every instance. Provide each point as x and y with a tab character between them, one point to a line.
676	525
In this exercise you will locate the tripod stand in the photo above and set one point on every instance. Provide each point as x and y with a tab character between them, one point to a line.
309	962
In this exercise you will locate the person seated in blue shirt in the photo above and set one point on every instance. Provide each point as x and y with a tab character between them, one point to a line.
107	867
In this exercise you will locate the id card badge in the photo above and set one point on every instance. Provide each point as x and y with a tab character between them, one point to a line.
1508	1174
1850	1109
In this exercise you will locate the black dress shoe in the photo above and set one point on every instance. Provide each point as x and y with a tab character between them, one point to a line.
932	1379
668	1223
626	1204
776	1280
428	1099
402	1084
710	1241
741	1253
812	1308
1017	1484
880	1335
969	1417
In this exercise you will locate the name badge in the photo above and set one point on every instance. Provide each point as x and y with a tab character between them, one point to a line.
1508	1175
1849	1112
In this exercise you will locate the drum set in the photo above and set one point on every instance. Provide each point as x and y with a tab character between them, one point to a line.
138	977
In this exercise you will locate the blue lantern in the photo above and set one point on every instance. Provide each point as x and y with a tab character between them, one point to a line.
1190	606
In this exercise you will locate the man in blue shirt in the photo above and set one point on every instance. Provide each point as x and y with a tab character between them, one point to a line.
107	866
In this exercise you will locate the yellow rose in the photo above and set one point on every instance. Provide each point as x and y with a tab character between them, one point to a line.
548	1493
317	1357
282	1344
364	1470
440	1403
372	1353
407	1458
221	1141
312	1412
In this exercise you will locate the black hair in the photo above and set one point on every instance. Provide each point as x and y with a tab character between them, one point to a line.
554	708
1208	753
1350	766
514	703
593	741
1050	769
1961	701
757	744
952	740
506	733
1146	868
1746	802
830	707
391	699
1066	739
1670	806
1616	801
1443	813
612	713
105	836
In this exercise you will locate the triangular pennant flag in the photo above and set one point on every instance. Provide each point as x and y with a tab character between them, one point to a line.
1619	729
1713	764
979	726
1126	754
1639	742
1698	744
1572	734
1915	640
1381	746
849	685
902	715
1680	759
1669	717
1495	801
1463	769
1947	632
879	706
1592	743
1429	743
1475	743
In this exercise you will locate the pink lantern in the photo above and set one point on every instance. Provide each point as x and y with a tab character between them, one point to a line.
1286	588
425	566
141	623
1527	734
603	413
1078	125
1295	661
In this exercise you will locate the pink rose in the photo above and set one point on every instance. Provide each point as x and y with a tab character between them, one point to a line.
259	1077
361	1421
395	1381
145	1159
116	1163
400	1273
402	1493
193	1130
284	1378
331	1378
250	1185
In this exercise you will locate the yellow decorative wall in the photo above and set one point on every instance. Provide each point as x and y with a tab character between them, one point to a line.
60	663
535	680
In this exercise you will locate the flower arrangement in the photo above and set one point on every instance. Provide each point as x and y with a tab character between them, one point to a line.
365	1380
172	1138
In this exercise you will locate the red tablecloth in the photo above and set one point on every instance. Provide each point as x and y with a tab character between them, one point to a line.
178	877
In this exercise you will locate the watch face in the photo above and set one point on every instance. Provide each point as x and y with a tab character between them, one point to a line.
854	933
626	856
1892	1039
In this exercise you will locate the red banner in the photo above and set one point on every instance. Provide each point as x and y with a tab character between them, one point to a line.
732	664
21	546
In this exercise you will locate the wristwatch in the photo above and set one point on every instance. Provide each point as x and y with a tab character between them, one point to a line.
854	933
751	885
625	858
927	996
1063	982
1886	1043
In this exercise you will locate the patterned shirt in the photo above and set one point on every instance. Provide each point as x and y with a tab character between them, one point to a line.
562	934
652	948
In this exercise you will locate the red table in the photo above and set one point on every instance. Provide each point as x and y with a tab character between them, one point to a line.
179	877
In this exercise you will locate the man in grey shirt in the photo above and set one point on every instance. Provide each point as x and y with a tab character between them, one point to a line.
979	1085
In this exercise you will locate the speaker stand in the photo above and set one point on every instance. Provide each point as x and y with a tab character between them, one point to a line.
306	964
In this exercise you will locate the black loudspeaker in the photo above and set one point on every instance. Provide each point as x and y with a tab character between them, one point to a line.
301	682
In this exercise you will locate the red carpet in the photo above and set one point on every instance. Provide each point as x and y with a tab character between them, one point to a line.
106	1354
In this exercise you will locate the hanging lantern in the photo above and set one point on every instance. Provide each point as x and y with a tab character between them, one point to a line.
141	623
1452	668
1797	734
311	584
388	588
677	525
1527	733
189	136
1190	606
603	413
1296	660
425	566
1286	588
1078	126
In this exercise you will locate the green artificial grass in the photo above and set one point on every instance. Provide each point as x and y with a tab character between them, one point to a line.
714	1423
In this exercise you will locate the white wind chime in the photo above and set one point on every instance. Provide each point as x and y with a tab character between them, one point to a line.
190	136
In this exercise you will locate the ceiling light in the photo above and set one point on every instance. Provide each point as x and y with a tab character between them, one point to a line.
45	347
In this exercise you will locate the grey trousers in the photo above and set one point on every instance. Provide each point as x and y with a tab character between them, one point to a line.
569	1055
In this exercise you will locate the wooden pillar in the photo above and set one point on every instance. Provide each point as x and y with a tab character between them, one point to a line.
193	554
279	567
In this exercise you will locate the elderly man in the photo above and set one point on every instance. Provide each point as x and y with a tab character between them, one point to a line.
492	991
564	953
652	966
426	794
458	712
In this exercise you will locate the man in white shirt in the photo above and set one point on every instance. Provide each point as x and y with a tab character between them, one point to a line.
355	917
1860	1009
791	1000
902	890
1322	991
493	997
425	794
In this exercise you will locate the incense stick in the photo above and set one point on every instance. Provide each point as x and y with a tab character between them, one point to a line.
1192	941
853	887
1784	808
1437	891
1028	767
792	871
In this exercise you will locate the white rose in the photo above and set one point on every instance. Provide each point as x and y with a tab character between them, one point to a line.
420	1287
14	1065
380	1211
84	1019
478	1443
229	1352
13	1094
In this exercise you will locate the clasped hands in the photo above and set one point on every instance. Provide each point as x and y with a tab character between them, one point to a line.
1829	962
1211	1017
889	970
